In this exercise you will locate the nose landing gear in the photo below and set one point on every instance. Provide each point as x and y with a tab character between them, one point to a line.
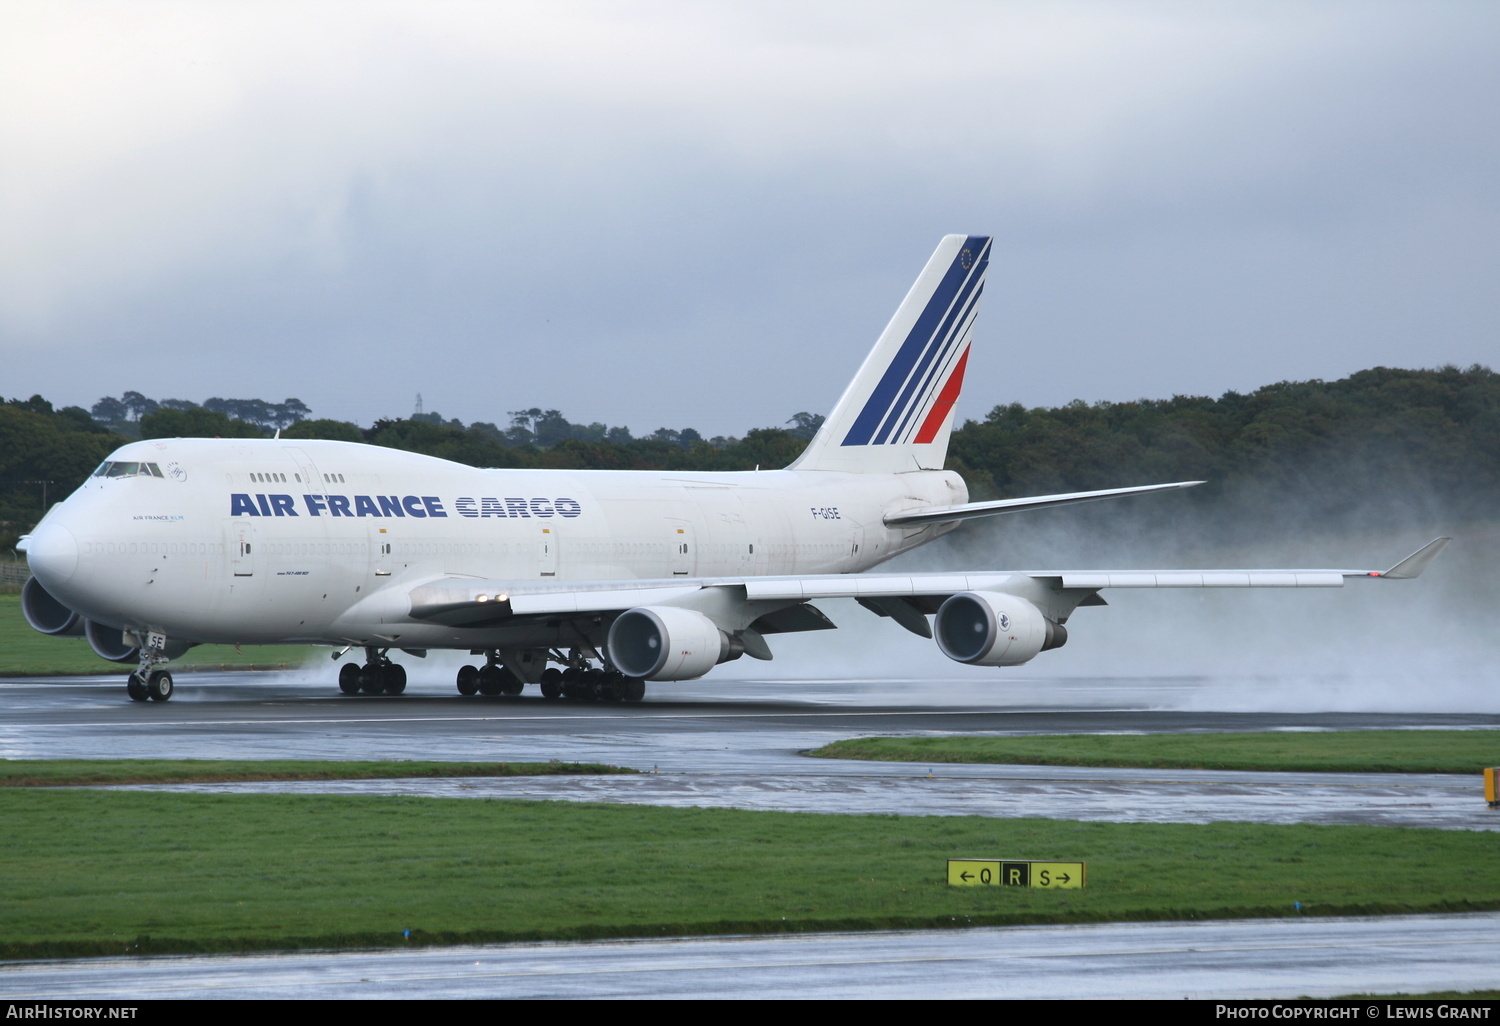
149	682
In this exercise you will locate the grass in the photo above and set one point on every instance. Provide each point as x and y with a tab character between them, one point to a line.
1350	751
27	653
96	772
86	872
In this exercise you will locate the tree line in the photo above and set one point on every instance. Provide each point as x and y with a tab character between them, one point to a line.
1420	439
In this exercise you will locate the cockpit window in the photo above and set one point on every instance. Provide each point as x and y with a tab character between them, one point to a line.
125	468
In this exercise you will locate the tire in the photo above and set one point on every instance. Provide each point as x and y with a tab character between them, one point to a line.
468	680
552	683
510	684
489	680
611	687
369	679
349	678
592	685
632	689
159	686
393	678
572	684
136	688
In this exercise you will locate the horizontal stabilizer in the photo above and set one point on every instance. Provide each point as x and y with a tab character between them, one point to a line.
944	514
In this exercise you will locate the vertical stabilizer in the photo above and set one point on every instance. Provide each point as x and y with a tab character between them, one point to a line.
897	413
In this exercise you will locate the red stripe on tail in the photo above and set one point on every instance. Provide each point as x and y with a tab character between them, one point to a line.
944	405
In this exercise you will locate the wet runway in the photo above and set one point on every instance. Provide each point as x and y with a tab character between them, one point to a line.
1219	960
738	745
701	746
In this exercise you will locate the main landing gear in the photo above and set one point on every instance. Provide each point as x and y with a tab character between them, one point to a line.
378	676
491	679
576	681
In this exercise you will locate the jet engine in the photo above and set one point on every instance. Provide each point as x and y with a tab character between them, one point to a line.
667	643
46	614
109	643
989	628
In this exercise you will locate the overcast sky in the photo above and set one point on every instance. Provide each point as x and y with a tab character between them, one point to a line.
702	214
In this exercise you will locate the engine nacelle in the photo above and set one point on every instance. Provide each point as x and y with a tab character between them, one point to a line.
666	643
990	628
47	614
109	643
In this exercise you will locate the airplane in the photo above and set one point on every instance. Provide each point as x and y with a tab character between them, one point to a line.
584	583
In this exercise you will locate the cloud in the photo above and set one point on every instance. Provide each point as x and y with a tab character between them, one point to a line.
605	207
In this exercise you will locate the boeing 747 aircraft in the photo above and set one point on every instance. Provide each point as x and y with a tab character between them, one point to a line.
586	583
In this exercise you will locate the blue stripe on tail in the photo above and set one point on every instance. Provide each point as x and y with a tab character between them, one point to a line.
925	349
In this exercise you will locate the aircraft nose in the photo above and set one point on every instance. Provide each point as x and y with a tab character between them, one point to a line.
52	553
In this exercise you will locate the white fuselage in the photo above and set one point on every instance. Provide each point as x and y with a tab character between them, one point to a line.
261	541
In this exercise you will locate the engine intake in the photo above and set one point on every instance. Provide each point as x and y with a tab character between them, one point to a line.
667	643
987	628
110	643
46	614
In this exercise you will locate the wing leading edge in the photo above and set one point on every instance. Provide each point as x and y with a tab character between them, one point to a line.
465	601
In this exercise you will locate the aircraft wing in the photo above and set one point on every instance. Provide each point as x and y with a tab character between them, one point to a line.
476	602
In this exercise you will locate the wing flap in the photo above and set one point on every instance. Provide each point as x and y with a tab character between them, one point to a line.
1093	581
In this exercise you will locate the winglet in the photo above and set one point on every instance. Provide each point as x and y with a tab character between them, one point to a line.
1414	564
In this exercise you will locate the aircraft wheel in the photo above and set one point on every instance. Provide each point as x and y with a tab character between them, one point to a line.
369	679
572	684
136	688
490	680
159	686
611	687
468	680
510	684
349	678
632	689
552	682
592	685
393	678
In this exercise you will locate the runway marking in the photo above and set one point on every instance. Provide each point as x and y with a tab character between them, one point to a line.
614	717
730	965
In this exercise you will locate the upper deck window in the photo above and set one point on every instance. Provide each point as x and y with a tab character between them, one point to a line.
125	468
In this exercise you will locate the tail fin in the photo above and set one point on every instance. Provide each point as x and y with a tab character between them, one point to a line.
897	413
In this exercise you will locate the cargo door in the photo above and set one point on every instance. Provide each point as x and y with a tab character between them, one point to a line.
547	552
239	546
681	554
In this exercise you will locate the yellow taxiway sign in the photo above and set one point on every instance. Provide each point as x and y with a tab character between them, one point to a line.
1015	873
